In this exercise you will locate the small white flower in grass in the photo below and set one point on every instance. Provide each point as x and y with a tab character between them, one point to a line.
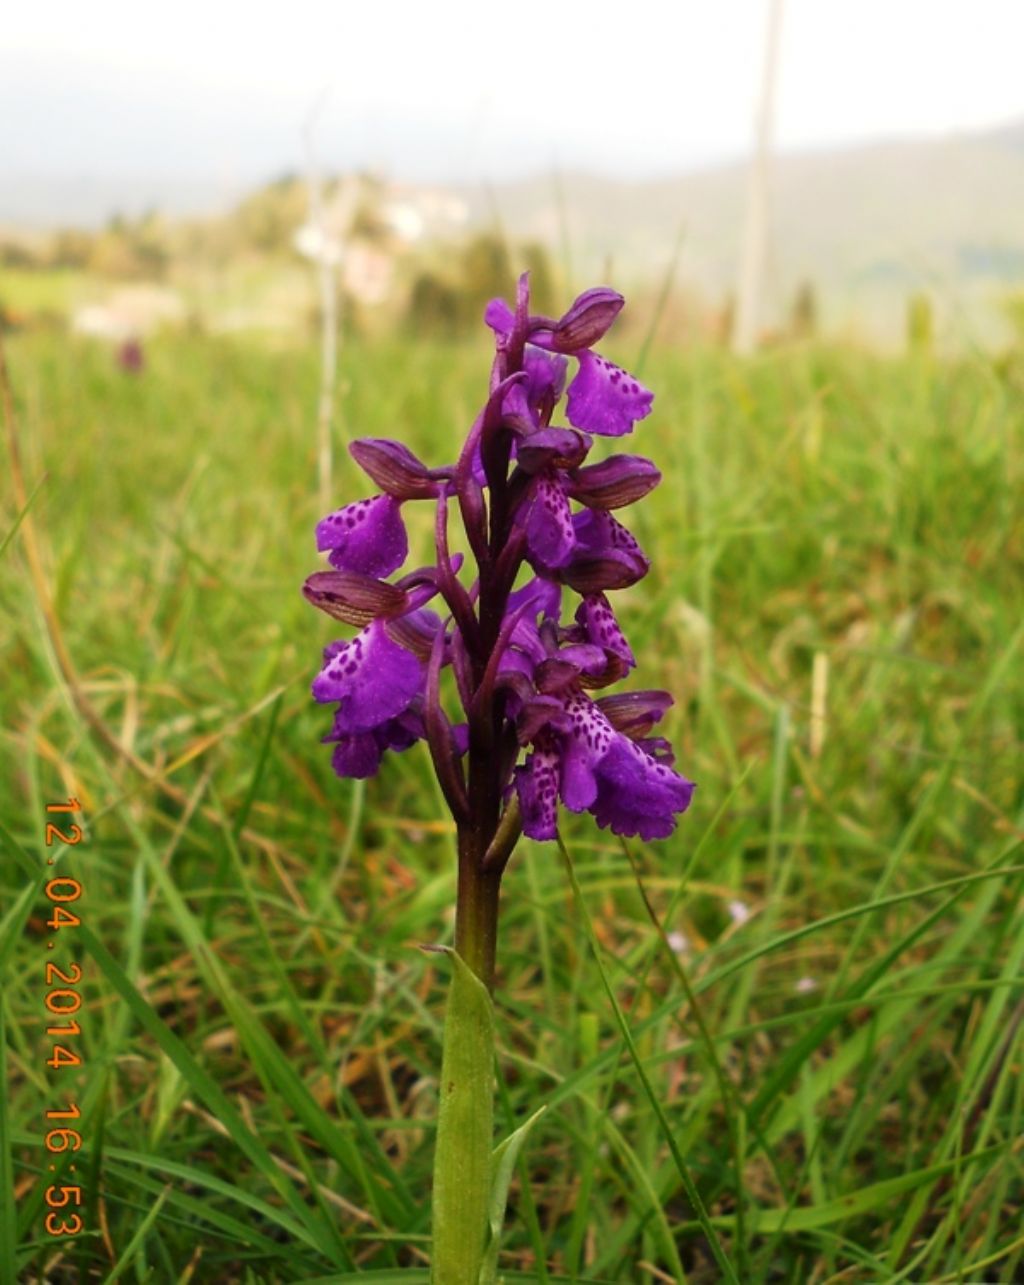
739	912
805	985
679	942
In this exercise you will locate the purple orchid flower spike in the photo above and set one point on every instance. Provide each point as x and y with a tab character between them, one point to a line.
531	735
538	729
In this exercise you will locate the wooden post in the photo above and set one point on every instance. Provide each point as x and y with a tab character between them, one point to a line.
755	232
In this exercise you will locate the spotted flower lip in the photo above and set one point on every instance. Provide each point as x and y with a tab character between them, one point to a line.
553	534
374	679
550	534
637	796
359	754
598	625
592	755
582	760
367	536
605	399
533	728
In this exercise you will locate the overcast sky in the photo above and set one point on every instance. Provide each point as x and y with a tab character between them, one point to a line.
465	89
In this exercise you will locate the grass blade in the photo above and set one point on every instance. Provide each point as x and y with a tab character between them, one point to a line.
692	1194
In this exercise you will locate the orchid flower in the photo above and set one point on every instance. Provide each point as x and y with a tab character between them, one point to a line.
530	734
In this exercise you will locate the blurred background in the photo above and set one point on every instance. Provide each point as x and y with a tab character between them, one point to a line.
157	174
233	237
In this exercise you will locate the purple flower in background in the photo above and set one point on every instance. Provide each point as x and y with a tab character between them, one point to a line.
130	357
538	519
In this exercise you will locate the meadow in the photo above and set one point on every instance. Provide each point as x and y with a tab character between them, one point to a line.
819	974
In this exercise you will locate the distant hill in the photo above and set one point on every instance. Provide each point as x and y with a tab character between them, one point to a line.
866	225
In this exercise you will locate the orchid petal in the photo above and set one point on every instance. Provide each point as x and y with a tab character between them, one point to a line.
353	597
636	795
635	713
587	743
499	316
367	536
356	755
552	448
394	468
596	617
607	556
537	785
373	677
605	399
615	482
550	535
540	597
587	321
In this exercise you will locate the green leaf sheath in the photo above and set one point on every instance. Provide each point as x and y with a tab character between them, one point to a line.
503	1164
465	1131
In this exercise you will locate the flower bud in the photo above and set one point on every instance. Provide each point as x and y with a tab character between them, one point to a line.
586	322
352	597
394	468
615	482
612	570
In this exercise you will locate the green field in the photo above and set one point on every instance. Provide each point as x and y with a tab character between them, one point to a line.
835	601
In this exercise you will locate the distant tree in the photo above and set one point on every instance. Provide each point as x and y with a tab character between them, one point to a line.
920	324
130	249
15	254
434	307
486	270
803	313
267	220
537	260
71	248
113	255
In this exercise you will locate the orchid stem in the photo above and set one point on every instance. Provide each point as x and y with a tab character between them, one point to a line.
476	909
465	1127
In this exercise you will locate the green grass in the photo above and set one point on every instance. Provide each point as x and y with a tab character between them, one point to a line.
51	292
838	1077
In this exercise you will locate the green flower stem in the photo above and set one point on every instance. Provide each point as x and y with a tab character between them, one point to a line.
465	1125
476	910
